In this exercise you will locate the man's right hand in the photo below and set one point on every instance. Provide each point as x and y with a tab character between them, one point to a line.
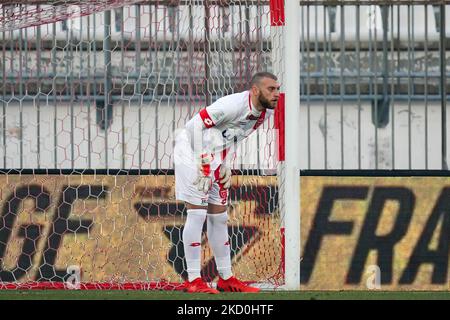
204	180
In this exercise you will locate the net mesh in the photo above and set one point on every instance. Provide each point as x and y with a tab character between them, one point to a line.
93	93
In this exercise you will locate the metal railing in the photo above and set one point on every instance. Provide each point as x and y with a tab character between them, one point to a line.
384	59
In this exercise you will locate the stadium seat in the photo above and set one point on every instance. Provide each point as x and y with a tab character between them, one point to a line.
370	24
414	27
314	24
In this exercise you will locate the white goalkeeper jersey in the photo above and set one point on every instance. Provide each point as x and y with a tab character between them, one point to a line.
226	122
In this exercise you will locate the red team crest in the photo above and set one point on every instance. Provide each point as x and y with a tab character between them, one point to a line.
223	195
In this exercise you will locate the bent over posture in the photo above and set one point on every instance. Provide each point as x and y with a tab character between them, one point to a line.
202	176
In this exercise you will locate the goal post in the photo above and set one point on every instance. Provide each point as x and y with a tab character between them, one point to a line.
286	65
291	177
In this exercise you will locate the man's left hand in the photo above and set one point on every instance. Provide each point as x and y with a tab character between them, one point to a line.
225	176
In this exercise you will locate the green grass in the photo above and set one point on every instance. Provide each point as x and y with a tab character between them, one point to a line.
166	295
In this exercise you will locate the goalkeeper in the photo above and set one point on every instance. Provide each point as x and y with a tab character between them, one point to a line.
203	178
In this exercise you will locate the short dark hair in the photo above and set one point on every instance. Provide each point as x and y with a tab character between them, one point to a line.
257	77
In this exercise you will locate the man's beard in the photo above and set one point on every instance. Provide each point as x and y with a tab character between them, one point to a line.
265	103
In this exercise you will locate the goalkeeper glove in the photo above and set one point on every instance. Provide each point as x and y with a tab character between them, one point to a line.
225	176
204	180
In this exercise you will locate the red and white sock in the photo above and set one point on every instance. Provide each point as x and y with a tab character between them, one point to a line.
217	227
192	240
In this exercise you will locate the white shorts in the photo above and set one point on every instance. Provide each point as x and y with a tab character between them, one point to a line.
186	173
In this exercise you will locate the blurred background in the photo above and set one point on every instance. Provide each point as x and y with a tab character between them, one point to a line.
104	84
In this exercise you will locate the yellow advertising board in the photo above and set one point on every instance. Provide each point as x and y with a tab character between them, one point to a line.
361	232
124	228
357	233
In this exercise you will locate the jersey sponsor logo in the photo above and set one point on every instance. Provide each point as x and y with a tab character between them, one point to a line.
217	116
208	122
252	117
206	118
232	134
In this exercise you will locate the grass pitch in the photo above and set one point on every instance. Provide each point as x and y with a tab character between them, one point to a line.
172	295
